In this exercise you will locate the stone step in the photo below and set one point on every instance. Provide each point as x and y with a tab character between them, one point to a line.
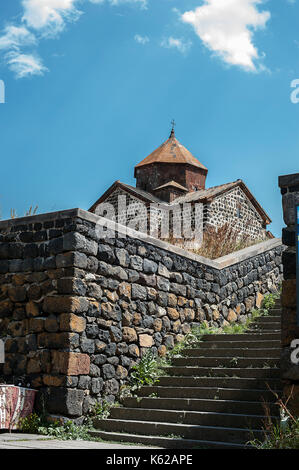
201	418
222	382
197	404
273	344
266	326
269	319
261	330
256	336
273	353
194	432
207	392
234	362
223	372
164	442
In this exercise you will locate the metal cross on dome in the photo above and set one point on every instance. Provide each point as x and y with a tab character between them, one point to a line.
173	124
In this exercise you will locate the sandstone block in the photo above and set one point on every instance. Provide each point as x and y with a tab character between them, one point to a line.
232	317
70	363
172	300
129	335
173	313
145	341
127	319
124	290
62	304
72	322
259	300
53	380
162	350
157	324
32	309
121	372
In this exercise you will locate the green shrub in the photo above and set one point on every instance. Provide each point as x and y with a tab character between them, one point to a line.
38	424
147	371
102	409
31	423
67	431
269	301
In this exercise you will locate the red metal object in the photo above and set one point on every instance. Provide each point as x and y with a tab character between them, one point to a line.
15	403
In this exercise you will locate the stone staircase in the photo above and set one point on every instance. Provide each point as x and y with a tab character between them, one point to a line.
210	398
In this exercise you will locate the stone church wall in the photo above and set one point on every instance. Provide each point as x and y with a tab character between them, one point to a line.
234	208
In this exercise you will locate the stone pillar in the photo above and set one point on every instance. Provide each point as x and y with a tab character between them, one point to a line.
289	185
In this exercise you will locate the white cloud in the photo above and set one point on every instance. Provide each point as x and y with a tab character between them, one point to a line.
42	19
226	27
49	16
24	64
176	43
11	41
143	3
141	39
16	36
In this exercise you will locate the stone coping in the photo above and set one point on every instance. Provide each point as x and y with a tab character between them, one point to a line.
288	180
220	263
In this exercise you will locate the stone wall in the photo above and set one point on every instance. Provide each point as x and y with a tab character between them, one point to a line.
234	208
78	312
289	185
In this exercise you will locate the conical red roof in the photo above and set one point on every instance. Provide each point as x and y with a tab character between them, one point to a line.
171	151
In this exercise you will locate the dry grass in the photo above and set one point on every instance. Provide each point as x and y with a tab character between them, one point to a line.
31	211
217	242
282	433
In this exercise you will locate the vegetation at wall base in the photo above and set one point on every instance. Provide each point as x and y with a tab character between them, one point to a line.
283	434
39	424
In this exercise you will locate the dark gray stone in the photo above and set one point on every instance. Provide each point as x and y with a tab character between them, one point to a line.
92	331
87	345
108	371
136	263
106	253
100	359
64	401
139	292
149	267
84	382
111	387
122	257
96	385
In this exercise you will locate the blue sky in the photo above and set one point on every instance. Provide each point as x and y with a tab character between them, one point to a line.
91	88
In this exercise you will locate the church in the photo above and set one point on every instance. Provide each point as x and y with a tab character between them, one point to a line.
171	177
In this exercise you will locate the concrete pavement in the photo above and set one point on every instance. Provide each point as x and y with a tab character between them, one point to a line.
35	441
